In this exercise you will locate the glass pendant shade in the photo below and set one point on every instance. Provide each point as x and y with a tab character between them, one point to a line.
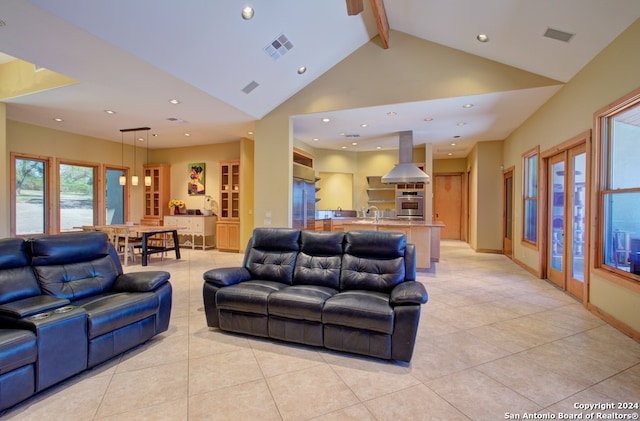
134	180
147	180
122	180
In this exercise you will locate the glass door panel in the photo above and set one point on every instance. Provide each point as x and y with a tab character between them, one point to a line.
556	230
577	203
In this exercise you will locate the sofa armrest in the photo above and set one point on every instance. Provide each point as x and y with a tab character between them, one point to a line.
223	277
141	281
408	293
32	305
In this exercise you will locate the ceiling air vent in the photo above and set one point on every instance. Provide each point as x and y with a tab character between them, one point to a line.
250	87
351	136
558	35
278	47
176	120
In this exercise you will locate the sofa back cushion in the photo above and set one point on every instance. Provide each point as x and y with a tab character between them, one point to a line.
320	259
17	280
373	261
74	266
271	254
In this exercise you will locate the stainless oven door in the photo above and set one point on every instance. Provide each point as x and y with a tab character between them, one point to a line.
410	207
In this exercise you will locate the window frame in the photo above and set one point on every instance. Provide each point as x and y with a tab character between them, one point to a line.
48	171
526	197
602	180
98	190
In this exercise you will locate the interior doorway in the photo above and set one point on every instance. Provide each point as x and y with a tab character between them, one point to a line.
447	204
507	213
565	230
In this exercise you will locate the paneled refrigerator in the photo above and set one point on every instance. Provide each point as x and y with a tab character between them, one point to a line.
304	197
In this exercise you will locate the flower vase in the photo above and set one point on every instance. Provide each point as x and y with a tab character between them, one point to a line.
176	211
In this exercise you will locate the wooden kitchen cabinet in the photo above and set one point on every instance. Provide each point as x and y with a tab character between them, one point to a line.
228	226
228	236
156	196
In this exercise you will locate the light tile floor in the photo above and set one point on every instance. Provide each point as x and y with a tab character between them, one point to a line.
494	343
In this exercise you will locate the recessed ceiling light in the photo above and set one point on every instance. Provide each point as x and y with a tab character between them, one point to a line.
462	123
174	101
450	154
110	112
483	38
354	143
141	139
453	144
467	106
249	133
187	134
378	147
59	120
155	135
344	147
363	125
392	113
326	120
301	70
315	139
428	119
341	134
247	13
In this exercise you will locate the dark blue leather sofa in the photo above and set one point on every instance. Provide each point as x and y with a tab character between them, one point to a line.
65	306
353	292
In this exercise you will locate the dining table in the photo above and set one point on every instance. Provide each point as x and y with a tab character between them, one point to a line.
147	233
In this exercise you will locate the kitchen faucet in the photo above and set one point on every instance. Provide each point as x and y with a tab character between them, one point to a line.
376	212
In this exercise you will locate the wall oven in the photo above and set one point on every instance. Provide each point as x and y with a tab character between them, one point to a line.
410	204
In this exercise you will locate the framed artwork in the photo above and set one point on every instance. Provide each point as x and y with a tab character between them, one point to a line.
196	182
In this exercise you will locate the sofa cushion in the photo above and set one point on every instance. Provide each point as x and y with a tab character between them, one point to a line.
247	297
68	248
272	254
17	348
17	280
319	260
109	312
375	244
380	275
75	281
303	302
361	310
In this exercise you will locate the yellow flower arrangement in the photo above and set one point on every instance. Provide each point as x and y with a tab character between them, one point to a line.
177	203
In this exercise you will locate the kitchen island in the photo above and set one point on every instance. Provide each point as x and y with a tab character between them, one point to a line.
425	235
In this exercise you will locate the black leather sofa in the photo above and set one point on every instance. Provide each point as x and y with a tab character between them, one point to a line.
353	291
65	306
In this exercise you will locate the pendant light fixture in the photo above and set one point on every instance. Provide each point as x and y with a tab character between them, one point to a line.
134	177
147	177
123	178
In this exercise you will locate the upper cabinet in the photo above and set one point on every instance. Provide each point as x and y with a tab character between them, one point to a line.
156	196
230	189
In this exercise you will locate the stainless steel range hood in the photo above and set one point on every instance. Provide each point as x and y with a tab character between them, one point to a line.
406	171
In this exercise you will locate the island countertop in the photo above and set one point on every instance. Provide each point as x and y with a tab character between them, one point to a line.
423	234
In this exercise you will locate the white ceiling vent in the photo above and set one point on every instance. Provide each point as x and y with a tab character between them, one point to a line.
351	136
176	120
250	87
558	35
278	47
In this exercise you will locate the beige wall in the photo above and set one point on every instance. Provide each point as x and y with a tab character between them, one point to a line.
365	78
336	191
247	162
489	187
4	175
610	75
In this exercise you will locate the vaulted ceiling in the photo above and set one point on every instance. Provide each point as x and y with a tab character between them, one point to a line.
134	57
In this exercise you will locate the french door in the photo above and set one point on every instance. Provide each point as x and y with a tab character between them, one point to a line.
566	195
507	214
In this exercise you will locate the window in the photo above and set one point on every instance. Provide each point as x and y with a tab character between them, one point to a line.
530	196
77	196
618	146
30	195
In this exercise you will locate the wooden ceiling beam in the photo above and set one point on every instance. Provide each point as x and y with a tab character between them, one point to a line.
354	7
381	20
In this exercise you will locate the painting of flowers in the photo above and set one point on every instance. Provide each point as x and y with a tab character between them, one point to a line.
196	182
